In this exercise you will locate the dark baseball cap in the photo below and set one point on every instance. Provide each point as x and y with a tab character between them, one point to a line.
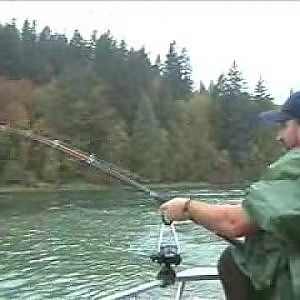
290	110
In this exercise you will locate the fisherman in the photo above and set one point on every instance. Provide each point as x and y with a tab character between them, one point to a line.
267	265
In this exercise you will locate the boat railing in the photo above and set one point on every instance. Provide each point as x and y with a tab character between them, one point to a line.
182	277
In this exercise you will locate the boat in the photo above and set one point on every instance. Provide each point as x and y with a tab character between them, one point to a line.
182	278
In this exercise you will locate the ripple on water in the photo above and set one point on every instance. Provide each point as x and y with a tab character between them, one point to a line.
12	283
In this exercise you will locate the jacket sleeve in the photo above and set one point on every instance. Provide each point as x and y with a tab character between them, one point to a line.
274	202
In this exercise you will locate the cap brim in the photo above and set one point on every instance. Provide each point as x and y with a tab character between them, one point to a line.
275	116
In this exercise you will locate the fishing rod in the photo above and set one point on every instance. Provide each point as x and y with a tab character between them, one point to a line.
167	254
100	164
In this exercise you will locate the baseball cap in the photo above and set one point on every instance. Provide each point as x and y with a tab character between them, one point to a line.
289	110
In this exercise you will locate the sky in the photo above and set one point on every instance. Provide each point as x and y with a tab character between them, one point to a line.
261	36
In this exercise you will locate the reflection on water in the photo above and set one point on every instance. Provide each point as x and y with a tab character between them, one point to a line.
86	245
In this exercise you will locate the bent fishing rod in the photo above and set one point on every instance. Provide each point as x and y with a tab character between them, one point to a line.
100	164
167	256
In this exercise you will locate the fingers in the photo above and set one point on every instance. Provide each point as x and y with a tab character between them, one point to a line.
164	214
166	220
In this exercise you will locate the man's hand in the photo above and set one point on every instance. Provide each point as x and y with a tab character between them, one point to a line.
174	209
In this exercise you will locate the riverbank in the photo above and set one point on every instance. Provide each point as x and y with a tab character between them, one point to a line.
45	187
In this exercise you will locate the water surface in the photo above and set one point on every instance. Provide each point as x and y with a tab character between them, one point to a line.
89	244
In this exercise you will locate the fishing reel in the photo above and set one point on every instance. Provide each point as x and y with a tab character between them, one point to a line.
168	255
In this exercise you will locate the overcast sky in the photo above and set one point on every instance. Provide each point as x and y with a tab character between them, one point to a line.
261	36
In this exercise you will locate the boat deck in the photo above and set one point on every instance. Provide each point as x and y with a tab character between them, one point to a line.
193	274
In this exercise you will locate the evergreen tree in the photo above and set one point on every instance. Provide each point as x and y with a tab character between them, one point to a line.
44	49
141	70
126	73
91	45
45	34
176	73
106	63
158	65
78	50
10	51
187	83
261	91
234	84
58	54
217	90
31	57
236	121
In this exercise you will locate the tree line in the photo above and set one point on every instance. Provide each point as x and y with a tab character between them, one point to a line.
110	99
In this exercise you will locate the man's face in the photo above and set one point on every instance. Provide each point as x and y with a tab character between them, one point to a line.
289	134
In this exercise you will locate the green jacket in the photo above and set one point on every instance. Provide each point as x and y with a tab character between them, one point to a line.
271	256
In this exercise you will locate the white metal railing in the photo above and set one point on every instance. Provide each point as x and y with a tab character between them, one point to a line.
193	274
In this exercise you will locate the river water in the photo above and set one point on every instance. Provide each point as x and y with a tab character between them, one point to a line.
90	244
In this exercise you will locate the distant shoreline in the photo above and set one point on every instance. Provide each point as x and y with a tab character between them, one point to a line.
43	187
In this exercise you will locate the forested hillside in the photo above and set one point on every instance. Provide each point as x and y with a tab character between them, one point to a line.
107	98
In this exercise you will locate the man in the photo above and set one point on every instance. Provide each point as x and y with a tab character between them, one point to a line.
267	265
